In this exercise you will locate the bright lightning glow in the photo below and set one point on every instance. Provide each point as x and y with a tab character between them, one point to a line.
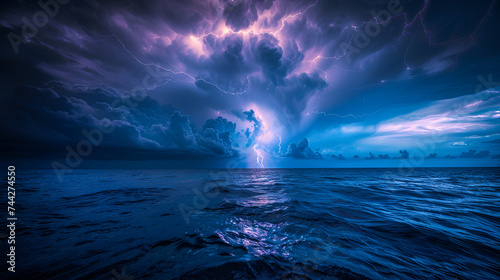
260	158
279	144
223	30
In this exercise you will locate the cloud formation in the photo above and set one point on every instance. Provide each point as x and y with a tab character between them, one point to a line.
59	113
302	151
474	154
217	78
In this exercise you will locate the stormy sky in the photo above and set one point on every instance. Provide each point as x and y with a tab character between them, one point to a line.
259	83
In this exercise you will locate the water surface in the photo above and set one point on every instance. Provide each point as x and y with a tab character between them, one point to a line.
259	224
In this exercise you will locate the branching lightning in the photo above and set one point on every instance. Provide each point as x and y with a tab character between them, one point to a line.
257	32
279	144
292	16
336	115
186	75
181	72
419	18
260	158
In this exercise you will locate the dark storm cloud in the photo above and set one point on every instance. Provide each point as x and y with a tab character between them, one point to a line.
339	157
57	114
233	62
371	157
403	154
386	156
474	154
397	52
241	14
270	58
302	151
250	116
251	135
471	154
292	98
496	141
227	66
224	57
381	156
88	35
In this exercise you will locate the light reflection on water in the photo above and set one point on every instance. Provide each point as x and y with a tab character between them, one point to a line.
262	224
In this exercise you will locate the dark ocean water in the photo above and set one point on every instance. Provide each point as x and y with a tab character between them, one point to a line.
258	224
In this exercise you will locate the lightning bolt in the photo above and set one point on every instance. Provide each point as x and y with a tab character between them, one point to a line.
178	72
408	24
336	115
260	158
469	39
253	32
344	116
356	27
292	16
173	72
279	144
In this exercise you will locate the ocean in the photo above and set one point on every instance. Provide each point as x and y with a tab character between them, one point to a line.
434	223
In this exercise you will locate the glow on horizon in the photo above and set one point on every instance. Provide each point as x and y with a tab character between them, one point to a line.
269	137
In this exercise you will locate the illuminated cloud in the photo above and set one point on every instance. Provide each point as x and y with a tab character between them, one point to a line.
302	151
244	78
